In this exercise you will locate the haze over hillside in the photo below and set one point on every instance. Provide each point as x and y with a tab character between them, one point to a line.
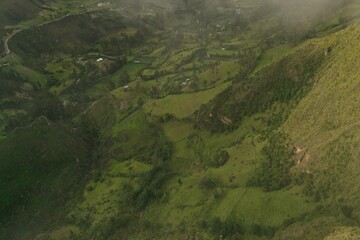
179	119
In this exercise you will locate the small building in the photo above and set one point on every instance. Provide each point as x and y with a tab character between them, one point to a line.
137	62
99	60
103	4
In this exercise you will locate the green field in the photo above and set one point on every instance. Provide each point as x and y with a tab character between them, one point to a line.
176	120
182	106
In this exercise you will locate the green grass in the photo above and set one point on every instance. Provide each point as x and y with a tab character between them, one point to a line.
7	114
103	200
21	10
170	63
132	69
31	23
188	203
26	154
273	55
62	87
129	168
220	73
134	138
102	197
345	233
130	31
332	142
136	122
62	69
222	53
182	105
65	232
326	121
148	72
158	52
324	116
32	76
267	209
176	130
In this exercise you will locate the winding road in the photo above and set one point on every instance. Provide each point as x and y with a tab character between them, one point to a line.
6	41
7	50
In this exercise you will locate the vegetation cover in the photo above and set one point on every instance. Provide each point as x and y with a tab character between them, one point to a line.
182	119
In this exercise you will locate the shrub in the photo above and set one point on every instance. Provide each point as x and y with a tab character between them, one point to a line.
259	230
347	211
225	228
150	187
209	183
219	158
166	117
273	173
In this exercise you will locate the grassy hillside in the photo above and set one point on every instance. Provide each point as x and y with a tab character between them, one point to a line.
180	120
16	11
325	121
41	167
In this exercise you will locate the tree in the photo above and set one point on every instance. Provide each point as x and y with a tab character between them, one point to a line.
219	158
274	171
140	101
